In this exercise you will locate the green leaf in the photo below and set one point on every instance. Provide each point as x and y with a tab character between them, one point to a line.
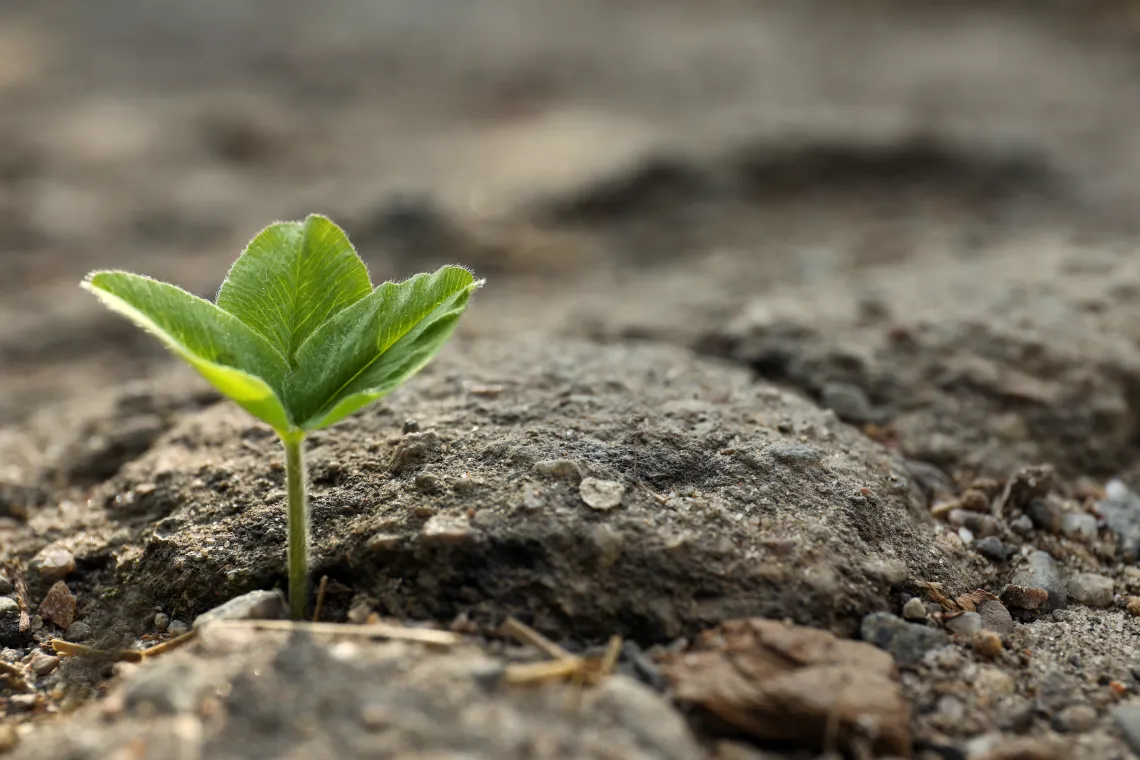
375	345
234	358
291	279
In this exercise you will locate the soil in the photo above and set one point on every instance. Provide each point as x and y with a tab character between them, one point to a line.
840	298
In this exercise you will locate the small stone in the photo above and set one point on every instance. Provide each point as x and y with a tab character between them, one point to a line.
1024	597
1133	605
992	548
796	454
907	642
1121	512
978	524
58	605
1021	525
1041	571
161	622
78	631
950	708
992	681
1045	514
886	570
1127	719
446	529
177	628
13	625
1079	525
966	624
427	482
42	664
995	617
6	586
914	609
987	643
53	563
255	605
1075	719
560	469
1091	590
848	401
601	494
411	426
8	737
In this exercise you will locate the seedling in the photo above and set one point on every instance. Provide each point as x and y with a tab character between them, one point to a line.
298	338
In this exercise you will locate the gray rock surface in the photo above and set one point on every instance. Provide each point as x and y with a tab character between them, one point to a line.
907	642
1040	570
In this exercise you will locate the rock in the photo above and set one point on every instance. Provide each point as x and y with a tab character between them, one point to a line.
907	642
42	664
1021	525
265	690
978	524
52	563
58	605
1121	511
1046	514
914	609
6	586
78	631
1133	605
415	449
1075	719
444	529
1024	597
778	682
1091	590
986	643
966	624
1127	720
177	628
9	738
795	454
1022	749
1079	526
995	617
161	621
256	605
992	548
601	494
14	625
848	401
1041	571
561	469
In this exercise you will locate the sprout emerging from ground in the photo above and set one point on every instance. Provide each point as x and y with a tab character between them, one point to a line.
298	338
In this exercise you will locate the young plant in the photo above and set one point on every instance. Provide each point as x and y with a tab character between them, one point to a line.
298	338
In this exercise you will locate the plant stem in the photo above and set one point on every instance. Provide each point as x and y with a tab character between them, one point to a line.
298	525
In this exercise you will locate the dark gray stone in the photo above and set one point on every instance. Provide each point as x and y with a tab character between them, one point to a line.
907	642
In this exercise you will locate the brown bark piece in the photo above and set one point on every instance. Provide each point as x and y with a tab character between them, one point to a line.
789	683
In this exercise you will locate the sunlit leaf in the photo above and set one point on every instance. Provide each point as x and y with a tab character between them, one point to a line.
291	279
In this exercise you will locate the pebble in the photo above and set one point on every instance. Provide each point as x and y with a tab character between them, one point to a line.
42	664
1079	526
53	563
562	469
914	609
1041	571
177	628
907	642
427	482
1091	590
601	494
446	529
1045	514
161	621
58	606
1133	605
1121	512
795	454
6	586
992	548
1024	597
1075	719
78	631
8	737
978	524
255	605
10	632
987	643
848	401
1127	719
995	617
1021	525
966	624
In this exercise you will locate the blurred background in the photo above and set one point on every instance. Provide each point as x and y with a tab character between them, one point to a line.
622	168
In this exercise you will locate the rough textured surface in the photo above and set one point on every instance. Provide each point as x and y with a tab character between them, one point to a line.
902	236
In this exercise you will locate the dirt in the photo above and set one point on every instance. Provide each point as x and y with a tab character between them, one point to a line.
798	311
